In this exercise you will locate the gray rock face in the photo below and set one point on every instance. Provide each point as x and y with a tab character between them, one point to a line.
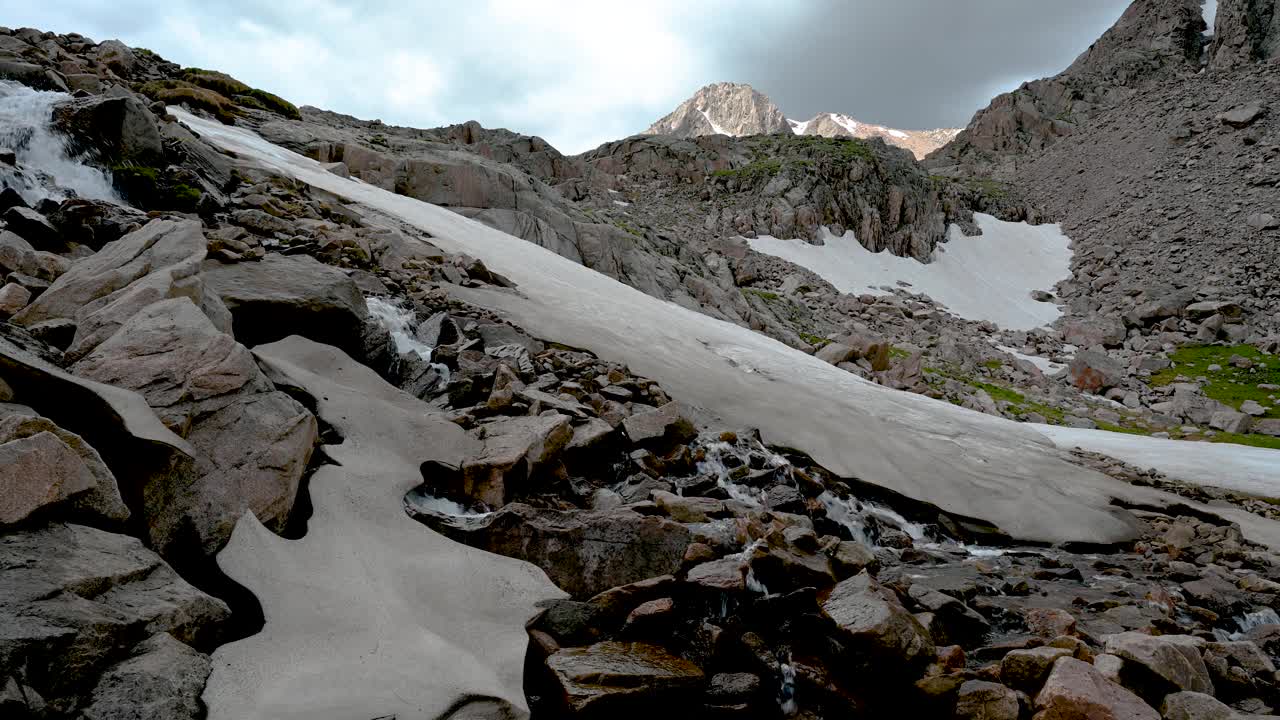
1152	38
873	620
73	599
724	109
1244	32
162	680
291	295
115	129
583	553
252	442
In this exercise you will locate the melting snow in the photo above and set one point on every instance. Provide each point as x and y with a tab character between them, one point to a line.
985	277
897	133
798	127
1047	366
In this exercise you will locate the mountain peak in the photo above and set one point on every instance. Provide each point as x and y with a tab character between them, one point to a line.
723	108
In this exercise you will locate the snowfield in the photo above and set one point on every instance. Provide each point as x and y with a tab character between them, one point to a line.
965	462
985	277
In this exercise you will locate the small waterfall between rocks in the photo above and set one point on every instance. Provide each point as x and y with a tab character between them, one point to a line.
402	324
45	168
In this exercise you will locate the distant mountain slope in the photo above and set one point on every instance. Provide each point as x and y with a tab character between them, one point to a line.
919	142
737	109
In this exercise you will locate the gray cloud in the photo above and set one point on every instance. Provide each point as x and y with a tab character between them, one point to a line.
581	72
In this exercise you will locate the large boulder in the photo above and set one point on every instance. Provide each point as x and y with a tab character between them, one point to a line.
1189	705
74	599
252	442
584	553
665	425
981	700
49	468
161	680
19	256
174	248
1075	690
874	622
291	295
112	130
611	678
1156	666
1094	371
514	448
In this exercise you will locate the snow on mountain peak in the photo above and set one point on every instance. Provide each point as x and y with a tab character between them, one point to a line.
738	109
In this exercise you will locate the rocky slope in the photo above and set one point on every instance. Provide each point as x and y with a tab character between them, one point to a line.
234	354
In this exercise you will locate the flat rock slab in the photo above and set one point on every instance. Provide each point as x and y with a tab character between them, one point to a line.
371	614
621	676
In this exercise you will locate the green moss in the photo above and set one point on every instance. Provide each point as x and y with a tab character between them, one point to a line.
897	352
753	171
1229	385
762	294
179	92
249	101
1121	428
993	364
622	224
814	340
218	82
1262	441
275	103
184	197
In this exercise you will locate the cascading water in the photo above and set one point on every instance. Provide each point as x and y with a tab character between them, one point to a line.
402	323
729	461
45	168
1247	622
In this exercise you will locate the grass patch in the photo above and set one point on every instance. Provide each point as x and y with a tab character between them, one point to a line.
814	340
753	171
275	103
899	353
762	294
1229	385
1262	441
218	82
623	225
1120	428
993	364
180	92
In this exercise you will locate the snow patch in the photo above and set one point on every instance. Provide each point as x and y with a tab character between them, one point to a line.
797	126
714	127
896	133
1047	366
984	277
1234	467
846	122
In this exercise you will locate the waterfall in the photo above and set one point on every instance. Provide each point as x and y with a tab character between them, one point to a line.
402	323
45	167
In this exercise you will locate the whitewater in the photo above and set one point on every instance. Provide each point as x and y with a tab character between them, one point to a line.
966	463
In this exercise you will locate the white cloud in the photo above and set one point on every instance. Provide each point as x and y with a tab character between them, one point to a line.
576	72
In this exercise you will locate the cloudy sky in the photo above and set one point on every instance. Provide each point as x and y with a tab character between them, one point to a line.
581	72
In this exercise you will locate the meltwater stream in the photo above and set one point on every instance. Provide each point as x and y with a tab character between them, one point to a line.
45	166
